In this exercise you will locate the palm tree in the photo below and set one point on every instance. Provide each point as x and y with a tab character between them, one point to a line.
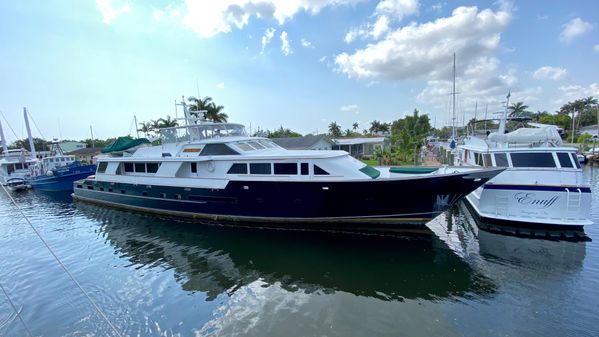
167	123
355	126
214	113
145	127
334	129
199	104
517	109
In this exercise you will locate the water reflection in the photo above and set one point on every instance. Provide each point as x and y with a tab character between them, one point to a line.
222	260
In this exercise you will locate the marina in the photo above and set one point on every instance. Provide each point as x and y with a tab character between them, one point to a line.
154	276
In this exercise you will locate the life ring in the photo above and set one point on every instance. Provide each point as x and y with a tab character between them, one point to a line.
211	166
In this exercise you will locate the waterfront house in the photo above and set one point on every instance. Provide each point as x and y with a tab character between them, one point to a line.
86	154
360	147
69	146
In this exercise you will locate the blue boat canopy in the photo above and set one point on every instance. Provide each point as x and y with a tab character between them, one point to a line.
124	143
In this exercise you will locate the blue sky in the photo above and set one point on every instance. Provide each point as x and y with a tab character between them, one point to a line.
297	63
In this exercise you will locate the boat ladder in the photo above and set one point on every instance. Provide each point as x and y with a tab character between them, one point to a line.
573	199
501	204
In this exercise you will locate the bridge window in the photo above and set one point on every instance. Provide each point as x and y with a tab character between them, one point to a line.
305	169
140	167
128	167
540	159
152	167
217	149
102	167
564	159
501	160
320	172
575	160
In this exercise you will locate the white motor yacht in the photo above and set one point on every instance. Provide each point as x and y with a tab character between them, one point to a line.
543	186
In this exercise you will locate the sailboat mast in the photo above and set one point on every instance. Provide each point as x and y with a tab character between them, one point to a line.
33	154
453	95
4	146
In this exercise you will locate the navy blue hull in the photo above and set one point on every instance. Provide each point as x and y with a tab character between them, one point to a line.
367	205
62	180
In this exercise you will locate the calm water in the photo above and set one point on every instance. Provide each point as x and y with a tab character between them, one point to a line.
158	277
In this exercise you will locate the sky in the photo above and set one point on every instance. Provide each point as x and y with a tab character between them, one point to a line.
300	64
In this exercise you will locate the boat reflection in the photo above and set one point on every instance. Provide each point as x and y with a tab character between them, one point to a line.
533	253
218	260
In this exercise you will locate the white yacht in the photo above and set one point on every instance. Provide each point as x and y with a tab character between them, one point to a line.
543	186
215	171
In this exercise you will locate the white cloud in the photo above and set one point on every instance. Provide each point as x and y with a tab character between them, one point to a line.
574	92
220	85
420	50
109	12
573	29
285	44
157	14
438	7
208	18
550	73
350	108
397	9
306	43
322	59
267	37
596	48
386	11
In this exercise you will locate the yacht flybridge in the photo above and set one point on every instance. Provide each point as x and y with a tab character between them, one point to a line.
543	186
215	171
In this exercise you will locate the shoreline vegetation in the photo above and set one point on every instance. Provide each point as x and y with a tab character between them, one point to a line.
406	136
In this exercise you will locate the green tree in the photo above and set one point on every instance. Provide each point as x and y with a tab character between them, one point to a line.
282	133
408	135
40	144
199	104
586	109
355	126
334	130
167	122
215	113
378	127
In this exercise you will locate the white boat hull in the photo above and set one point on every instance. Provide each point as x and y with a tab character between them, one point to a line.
540	205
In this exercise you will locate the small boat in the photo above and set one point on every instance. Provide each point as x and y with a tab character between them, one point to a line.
215	171
17	184
58	171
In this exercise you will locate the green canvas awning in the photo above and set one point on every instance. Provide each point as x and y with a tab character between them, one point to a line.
124	143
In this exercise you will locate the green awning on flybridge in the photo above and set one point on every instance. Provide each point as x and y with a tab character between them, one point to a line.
124	143
413	170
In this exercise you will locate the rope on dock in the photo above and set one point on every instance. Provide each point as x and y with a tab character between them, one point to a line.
91	301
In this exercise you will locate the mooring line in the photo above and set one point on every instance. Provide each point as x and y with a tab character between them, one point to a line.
15	309
93	304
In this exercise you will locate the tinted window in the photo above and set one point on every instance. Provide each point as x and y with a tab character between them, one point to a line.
532	160
217	150
102	167
564	159
487	160
501	160
319	171
286	168
152	167
575	160
140	167
261	168
478	159
238	168
244	147
194	167
304	167
128	167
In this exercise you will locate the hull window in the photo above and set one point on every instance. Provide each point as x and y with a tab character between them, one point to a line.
260	168
305	169
542	159
194	167
286	168
238	168
152	167
320	172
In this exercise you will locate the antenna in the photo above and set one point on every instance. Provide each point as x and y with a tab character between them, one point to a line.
91	131
136	126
